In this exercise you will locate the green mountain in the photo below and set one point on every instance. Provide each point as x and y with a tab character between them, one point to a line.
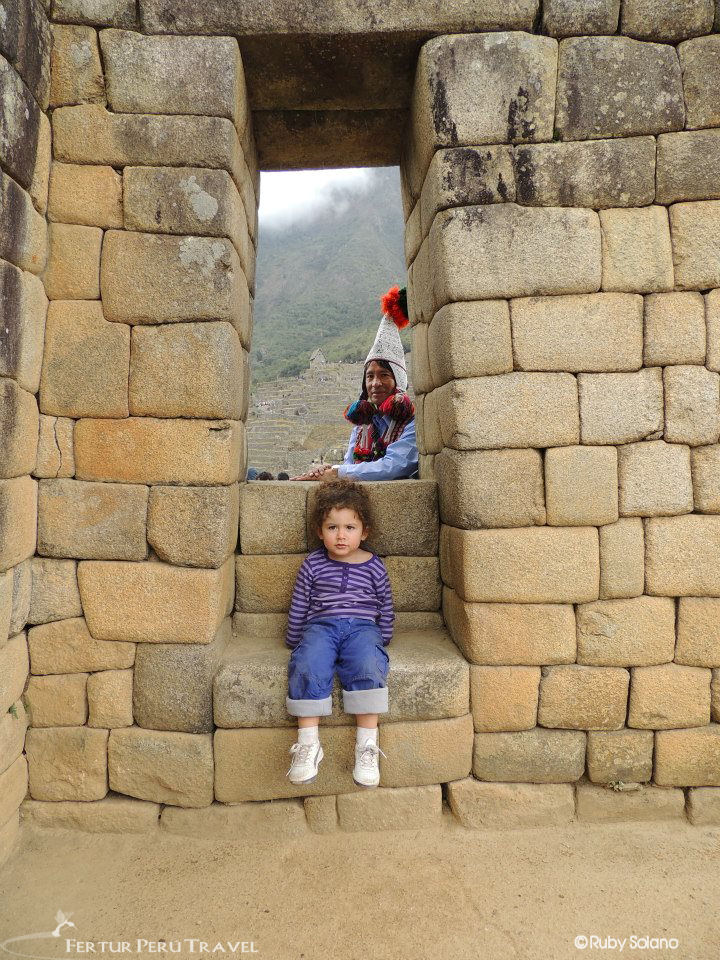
319	282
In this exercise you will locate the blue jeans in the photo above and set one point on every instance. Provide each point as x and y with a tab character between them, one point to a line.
352	645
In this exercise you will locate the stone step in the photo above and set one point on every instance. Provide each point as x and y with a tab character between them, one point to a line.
429	680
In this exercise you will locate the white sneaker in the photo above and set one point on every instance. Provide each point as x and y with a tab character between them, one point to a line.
366	772
306	758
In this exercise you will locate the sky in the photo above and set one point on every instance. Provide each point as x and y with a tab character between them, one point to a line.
289	196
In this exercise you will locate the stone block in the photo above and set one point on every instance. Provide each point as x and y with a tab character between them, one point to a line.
90	134
621	407
12	734
454	71
669	22
626	633
420	376
109	695
9	837
414	582
490	488
602	805
241	821
86	362
504	698
162	279
596	332
75	69
67	763
43	161
186	370
583	698
655	479
527	565
19	126
591	173
568	18
401	808
669	695
620	756
688	166
6	597
155	451
715	696
100	13
581	485
88	195
92	521
172	74
696	244
692	405
617	87
428	680
173	683
321	813
674	329
161	766
688	758
682	556
55	594
406	518
187	201
637	254
431	433
26	43
18	520
534	756
66	646
55	454
251	764
14	664
703	806
180	605
700	62
193	526
464	176
413	236
622	559
24	306
705	465
59	701
470	340
21	591
13	787
511	633
525	252
712	312
502	805
511	410
272	517
73	270
23	231
19	425
112	814
698	632
265	583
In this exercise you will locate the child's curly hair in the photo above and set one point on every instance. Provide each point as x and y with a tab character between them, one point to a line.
338	494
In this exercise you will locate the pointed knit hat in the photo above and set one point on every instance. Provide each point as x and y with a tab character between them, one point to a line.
387	345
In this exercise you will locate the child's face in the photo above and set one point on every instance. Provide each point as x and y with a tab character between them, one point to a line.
341	532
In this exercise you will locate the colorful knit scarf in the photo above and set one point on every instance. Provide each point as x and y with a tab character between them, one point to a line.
373	437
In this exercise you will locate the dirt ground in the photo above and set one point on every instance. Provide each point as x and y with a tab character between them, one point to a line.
441	894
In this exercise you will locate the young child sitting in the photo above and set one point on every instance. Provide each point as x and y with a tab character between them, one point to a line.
341	617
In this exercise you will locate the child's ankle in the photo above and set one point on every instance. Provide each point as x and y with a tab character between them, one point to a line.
308	734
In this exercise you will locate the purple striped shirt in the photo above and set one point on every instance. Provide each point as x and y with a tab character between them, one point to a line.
335	588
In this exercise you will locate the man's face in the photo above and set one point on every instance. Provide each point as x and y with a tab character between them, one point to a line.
379	383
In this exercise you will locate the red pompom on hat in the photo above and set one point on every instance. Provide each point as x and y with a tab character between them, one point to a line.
394	305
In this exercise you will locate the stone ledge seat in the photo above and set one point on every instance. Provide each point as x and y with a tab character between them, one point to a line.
429	680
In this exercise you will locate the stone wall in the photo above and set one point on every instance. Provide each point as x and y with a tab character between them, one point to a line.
562	196
24	173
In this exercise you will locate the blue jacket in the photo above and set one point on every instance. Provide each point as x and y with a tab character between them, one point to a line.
400	460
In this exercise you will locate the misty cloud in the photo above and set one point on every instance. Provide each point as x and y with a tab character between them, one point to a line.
304	195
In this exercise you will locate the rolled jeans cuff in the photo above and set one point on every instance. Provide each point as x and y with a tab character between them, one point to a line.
366	701
309	708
